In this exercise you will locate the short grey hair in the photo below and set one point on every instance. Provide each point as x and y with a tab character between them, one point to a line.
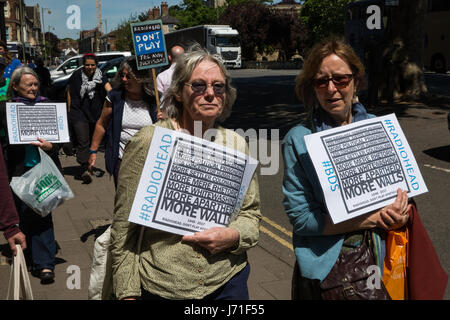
143	77
16	77
186	63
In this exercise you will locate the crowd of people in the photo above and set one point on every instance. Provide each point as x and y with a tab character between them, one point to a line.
211	264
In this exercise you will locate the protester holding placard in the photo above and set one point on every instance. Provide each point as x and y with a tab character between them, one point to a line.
129	106
327	85
24	88
86	94
211	264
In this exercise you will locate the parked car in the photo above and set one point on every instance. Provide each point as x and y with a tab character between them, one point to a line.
59	85
71	64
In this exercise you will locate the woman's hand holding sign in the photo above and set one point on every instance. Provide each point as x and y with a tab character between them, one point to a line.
215	239
395	216
391	217
43	144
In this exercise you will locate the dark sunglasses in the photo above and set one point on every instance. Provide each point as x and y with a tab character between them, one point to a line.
200	87
339	80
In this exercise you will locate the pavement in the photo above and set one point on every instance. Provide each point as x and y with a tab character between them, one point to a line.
80	220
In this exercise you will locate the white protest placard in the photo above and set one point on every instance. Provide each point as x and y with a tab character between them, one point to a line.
190	184
361	165
44	120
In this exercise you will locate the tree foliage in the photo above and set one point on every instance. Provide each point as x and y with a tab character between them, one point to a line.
124	40
323	18
193	13
287	34
252	20
263	29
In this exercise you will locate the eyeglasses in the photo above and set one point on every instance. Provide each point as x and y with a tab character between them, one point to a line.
200	87
339	80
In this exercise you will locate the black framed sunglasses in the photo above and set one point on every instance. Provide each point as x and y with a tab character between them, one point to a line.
339	80
200	87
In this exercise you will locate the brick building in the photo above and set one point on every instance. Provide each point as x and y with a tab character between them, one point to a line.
31	22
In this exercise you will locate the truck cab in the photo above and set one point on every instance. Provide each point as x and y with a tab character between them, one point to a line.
225	43
222	41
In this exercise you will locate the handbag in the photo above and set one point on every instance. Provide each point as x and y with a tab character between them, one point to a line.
349	277
19	279
43	187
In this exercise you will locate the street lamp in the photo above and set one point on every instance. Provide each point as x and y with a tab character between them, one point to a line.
50	28
43	28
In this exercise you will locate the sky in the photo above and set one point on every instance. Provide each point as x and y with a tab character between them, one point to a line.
113	11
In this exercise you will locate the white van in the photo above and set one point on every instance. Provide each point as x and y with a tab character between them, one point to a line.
69	66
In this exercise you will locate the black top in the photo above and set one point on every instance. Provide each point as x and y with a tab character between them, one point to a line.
85	109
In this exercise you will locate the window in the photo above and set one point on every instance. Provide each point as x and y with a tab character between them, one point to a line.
7	33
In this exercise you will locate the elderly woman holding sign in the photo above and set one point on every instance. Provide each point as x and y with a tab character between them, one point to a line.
39	231
211	264
327	85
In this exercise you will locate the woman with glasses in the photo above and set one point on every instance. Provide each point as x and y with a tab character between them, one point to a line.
211	264
129	106
20	158
327	85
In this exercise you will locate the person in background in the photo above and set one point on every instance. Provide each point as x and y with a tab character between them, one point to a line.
4	82
129	106
85	97
211	264
44	77
39	231
12	63
327	85
31	64
164	79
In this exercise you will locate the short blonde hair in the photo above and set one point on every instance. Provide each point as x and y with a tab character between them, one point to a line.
186	63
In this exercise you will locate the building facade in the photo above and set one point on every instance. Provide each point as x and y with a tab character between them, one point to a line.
19	17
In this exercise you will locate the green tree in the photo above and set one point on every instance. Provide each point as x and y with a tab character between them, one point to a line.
323	18
124	41
252	20
287	33
193	13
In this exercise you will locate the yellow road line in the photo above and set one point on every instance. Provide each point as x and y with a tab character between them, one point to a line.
276	226
437	168
275	237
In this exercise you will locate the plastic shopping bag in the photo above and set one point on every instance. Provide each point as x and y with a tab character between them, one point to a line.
395	264
43	187
100	280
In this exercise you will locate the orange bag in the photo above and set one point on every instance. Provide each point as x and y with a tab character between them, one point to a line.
395	264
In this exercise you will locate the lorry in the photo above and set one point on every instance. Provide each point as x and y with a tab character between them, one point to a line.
222	41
